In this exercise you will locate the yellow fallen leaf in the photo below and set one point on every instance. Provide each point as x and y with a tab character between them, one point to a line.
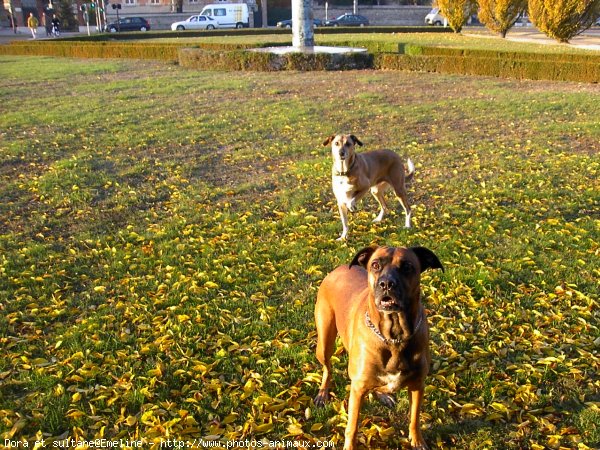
264	428
131	420
295	429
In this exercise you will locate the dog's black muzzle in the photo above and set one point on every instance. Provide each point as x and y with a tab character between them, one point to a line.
389	295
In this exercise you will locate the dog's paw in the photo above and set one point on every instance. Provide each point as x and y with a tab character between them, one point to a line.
322	398
379	217
421	446
386	399
418	443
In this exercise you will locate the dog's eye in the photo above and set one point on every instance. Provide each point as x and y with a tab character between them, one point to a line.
375	266
337	144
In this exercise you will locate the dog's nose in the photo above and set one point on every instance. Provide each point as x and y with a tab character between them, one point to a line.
386	284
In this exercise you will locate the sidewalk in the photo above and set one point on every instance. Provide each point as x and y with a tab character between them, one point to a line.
23	34
589	40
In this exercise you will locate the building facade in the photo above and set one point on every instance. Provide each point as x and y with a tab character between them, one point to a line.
15	12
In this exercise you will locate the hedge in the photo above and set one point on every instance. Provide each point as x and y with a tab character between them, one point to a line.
414	50
196	58
531	69
165	52
381	55
127	36
251	32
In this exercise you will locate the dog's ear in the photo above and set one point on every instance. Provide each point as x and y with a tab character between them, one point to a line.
427	258
363	257
328	140
356	140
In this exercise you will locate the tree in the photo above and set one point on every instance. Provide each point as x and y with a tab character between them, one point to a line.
64	12
457	12
500	15
563	19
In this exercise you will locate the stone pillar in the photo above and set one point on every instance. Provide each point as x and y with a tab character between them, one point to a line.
303	35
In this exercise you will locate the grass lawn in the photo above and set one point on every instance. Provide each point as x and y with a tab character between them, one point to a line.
163	234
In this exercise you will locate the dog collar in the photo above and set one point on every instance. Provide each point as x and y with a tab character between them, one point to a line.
345	174
395	341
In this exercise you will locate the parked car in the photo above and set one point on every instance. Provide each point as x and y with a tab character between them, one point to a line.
129	24
198	22
435	18
288	23
348	20
228	15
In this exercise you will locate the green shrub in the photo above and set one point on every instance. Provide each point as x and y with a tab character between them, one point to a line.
128	36
382	54
380	29
532	69
166	52
415	50
196	58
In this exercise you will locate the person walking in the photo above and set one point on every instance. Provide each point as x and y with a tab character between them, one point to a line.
32	23
47	24
55	26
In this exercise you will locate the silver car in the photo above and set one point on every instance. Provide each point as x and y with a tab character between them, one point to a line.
198	22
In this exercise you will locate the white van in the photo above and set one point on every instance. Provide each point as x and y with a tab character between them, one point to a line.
229	15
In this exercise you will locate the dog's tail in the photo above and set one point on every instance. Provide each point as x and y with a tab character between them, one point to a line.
410	170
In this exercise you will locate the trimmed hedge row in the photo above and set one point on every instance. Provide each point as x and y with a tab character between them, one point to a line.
381	29
195	58
127	36
165	52
418	50
250	32
586	72
382	55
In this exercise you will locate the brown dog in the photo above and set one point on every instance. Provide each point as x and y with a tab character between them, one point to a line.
374	305
354	174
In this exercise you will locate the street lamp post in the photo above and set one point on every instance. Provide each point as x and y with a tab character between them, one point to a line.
303	36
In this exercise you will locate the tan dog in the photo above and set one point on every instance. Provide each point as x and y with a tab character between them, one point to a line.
354	174
374	306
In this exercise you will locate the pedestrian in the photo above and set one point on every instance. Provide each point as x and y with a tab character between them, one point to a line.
47	24
32	23
55	26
